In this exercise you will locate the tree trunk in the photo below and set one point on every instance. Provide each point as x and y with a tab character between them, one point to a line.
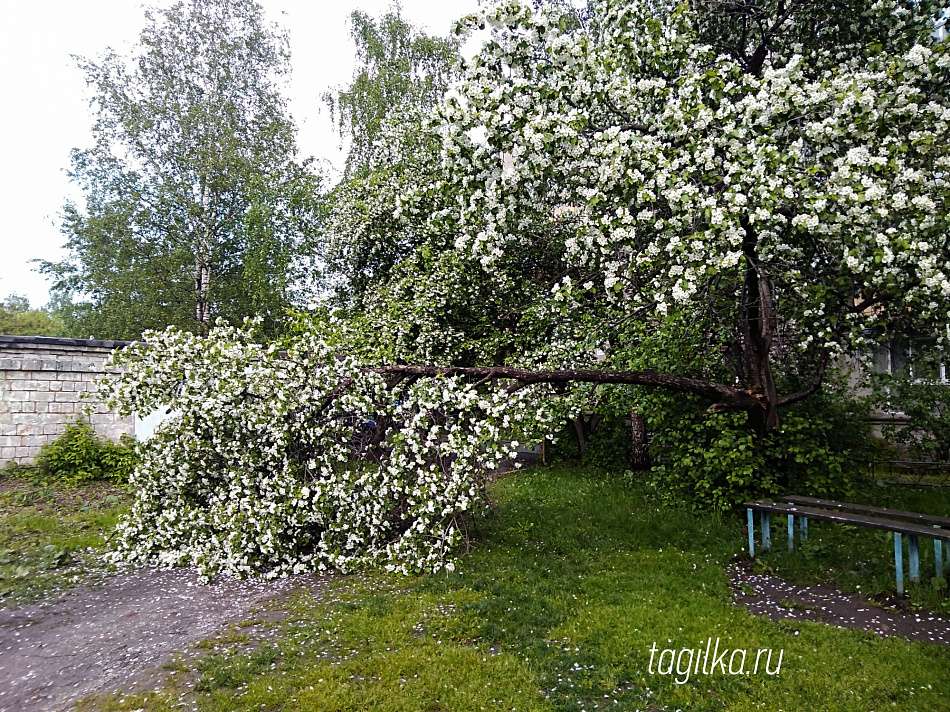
758	326
581	436
584	428
202	285
639	453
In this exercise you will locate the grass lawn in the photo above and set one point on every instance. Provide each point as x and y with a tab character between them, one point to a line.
571	583
49	535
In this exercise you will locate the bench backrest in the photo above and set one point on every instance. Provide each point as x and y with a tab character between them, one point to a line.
829	515
887	512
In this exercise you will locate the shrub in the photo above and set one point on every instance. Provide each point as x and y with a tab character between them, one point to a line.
609	446
79	455
925	434
714	459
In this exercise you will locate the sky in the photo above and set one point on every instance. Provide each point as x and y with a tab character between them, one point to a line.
44	110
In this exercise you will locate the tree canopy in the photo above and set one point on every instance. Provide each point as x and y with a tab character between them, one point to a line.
196	204
400	70
738	197
17	318
776	168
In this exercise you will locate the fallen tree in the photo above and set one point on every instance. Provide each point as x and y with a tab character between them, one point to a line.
773	172
287	458
290	457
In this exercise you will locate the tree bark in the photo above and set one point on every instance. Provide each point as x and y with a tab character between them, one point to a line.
758	326
202	285
639	453
581	436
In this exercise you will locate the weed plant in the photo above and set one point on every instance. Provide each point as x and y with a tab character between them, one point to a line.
50	534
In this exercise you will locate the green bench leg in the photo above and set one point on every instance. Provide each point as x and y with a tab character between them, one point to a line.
791	532
766	531
899	563
751	527
938	557
803	526
914	559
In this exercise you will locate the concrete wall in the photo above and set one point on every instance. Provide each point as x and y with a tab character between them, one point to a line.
41	382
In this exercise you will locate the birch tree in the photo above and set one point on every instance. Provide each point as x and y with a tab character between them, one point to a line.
197	206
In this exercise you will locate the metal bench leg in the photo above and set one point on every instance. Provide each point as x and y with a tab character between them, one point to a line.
791	532
766	531
938	557
899	563
751	526
914	559
803	525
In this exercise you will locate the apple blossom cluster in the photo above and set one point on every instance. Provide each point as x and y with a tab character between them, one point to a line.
677	167
277	460
390	240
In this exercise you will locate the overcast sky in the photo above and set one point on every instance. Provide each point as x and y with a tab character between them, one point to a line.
44	110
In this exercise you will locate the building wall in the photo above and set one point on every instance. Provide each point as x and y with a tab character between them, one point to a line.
42	382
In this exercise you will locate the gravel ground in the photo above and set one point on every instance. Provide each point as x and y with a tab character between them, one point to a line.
771	596
117	636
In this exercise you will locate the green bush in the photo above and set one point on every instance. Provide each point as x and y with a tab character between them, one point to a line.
80	455
609	446
714	459
924	435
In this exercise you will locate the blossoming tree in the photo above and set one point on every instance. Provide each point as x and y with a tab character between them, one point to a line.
773	172
780	163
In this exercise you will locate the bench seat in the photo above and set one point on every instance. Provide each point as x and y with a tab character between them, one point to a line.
900	522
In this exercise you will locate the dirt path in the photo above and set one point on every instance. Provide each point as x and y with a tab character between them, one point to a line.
114	636
777	599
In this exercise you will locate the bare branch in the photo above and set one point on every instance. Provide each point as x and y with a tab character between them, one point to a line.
741	398
813	386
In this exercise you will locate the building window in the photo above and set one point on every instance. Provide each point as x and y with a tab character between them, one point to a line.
917	358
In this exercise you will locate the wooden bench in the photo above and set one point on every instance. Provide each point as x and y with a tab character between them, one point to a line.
902	523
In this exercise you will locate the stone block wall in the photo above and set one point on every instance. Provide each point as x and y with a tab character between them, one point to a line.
42	381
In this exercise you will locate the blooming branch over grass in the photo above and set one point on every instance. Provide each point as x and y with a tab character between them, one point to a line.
284	459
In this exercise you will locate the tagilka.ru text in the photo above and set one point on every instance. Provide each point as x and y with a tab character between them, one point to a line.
710	661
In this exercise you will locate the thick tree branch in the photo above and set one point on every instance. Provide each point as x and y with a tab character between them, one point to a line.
740	398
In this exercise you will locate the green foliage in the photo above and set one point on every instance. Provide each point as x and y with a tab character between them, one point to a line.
196	206
18	319
705	458
924	401
608	447
714	459
80	455
818	440
399	69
